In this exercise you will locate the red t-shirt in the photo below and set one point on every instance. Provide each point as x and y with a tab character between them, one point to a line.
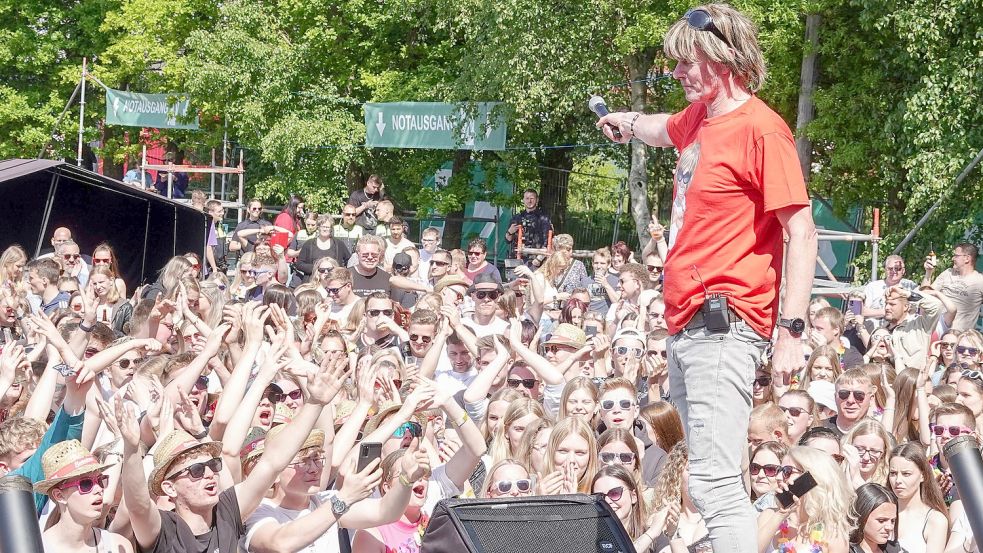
734	172
281	238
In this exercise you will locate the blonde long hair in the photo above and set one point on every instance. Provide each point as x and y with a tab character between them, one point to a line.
564	429
501	448
829	506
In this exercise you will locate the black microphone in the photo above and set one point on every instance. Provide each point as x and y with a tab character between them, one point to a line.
596	104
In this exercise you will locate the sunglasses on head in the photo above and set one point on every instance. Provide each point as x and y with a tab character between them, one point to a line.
421	338
125	363
954	431
615	493
197	470
770	471
610	457
701	20
762	381
490	294
412	428
528	383
858	395
624	350
377	312
794	411
86	484
505	486
975	375
608	404
967	350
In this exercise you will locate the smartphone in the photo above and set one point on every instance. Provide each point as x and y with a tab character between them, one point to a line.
367	452
590	330
800	487
856	306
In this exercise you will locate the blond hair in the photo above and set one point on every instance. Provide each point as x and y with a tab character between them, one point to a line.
829	506
743	57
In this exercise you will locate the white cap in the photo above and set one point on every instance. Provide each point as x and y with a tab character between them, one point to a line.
823	393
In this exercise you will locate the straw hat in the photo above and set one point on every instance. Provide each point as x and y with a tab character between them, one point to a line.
383	413
566	334
169	448
282	414
451	280
66	461
253	445
314	439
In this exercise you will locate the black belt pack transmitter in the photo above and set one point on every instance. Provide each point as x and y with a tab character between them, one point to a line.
716	314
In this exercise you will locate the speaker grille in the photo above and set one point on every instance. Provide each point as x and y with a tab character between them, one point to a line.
540	528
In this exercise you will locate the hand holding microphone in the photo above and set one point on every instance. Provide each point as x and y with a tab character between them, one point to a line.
609	123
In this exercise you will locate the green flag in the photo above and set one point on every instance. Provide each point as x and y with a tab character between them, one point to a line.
434	125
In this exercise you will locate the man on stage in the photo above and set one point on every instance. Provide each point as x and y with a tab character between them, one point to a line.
738	190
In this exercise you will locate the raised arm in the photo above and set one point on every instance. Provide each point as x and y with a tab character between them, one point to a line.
650	129
144	516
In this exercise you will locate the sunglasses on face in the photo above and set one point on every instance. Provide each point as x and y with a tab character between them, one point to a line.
421	338
487	294
654	268
794	411
858	395
762	381
317	461
954	431
947	344
624	404
610	457
368	255
197	470
412	428
474	254
377	312
294	395
324	271
505	486
770	471
71	256
334	291
657	353
527	383
273	395
245	272
85	485
125	363
440	263
98	261
615	493
967	350
701	21
625	350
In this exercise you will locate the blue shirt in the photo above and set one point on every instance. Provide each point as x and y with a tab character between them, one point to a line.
64	427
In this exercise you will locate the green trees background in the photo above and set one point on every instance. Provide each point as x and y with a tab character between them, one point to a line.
897	102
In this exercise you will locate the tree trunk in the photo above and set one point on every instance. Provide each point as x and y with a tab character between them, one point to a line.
639	64
555	185
803	145
454	224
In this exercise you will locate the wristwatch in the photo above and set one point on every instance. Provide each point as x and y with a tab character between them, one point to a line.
795	326
338	507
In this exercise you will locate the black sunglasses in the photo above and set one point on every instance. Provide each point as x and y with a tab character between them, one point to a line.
490	294
421	338
377	312
441	263
770	471
794	411
964	350
762	381
701	20
125	363
615	493
275	395
528	383
197	470
858	395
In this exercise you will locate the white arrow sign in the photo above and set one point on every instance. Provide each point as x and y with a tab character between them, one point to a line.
380	125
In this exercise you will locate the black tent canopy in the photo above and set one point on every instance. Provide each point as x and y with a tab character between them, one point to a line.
146	230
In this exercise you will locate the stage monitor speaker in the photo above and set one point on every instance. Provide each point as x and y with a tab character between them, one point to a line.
540	524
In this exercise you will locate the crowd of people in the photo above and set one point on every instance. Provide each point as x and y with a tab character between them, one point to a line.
204	413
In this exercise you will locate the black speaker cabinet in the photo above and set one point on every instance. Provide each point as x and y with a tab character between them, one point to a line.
541	524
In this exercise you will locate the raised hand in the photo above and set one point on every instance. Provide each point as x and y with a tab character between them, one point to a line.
552	483
126	421
323	386
359	485
187	415
415	462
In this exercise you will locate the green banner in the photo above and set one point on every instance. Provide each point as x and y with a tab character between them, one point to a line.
435	125
158	111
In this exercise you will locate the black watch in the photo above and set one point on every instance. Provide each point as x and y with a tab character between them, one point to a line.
795	326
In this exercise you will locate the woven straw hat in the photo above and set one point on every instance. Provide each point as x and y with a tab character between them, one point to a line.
169	448
567	334
66	461
314	439
253	445
384	412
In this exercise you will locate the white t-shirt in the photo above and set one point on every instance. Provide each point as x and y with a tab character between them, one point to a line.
496	326
393	249
453	380
267	512
339	312
874	292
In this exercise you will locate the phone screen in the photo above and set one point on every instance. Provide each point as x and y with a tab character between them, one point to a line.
856	306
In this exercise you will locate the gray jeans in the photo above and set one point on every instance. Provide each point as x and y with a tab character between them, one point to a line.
710	376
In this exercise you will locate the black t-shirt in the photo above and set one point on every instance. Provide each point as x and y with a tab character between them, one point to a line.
223	537
363	286
247	224
367	219
535	227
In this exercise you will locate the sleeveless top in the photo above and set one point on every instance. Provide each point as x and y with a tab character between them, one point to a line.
403	537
